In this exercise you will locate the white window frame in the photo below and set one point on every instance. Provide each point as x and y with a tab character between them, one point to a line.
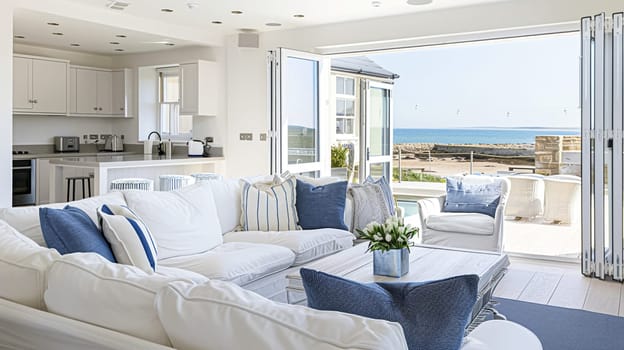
174	108
346	97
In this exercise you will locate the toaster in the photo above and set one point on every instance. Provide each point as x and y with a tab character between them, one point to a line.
66	144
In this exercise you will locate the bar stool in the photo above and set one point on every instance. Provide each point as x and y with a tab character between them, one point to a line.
138	184
174	182
71	183
202	177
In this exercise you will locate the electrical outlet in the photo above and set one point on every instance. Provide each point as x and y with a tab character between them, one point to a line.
104	136
246	136
209	139
93	136
263	136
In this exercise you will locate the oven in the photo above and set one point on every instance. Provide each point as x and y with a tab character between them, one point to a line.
24	182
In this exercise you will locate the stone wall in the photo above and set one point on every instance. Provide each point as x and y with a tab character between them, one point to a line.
550	151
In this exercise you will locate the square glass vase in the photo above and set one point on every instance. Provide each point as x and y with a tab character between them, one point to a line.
392	263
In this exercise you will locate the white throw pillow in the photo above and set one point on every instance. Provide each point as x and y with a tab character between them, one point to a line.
129	238
183	222
89	288
226	316
23	267
26	219
269	207
227	197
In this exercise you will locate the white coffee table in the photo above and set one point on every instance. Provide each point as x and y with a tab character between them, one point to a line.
427	263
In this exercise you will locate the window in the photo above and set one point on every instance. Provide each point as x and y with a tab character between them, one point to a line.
345	106
172	124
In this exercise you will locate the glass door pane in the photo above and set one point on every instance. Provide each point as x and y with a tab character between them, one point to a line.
376	156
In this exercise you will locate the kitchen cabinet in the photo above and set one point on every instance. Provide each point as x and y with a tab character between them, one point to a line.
198	88
99	92
92	93
122	93
40	85
42	170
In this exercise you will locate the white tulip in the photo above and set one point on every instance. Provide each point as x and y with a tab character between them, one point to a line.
377	237
388	237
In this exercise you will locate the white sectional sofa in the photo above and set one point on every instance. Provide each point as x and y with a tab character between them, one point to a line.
193	300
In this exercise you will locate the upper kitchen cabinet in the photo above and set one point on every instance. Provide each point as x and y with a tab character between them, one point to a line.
198	88
99	92
40	85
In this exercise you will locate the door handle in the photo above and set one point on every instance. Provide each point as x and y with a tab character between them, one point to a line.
34	101
367	153
95	108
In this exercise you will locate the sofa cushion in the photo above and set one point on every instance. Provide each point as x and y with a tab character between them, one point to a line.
369	204
465	197
227	196
236	262
469	223
385	188
26	219
307	245
183	222
194	316
321	206
129	237
70	230
23	267
269	207
433	314
89	288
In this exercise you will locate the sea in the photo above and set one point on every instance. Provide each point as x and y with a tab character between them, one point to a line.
477	135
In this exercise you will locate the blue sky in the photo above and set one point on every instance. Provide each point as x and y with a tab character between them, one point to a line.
525	82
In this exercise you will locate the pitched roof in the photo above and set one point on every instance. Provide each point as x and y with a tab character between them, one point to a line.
361	65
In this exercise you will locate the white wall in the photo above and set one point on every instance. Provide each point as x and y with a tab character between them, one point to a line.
6	102
246	70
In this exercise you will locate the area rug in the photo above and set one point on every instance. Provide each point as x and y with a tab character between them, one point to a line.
566	329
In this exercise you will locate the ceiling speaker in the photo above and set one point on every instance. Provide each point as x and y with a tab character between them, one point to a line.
249	40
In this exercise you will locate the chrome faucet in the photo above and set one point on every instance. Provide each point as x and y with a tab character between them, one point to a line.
160	150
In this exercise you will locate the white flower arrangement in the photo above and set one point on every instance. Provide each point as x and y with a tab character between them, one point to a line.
389	235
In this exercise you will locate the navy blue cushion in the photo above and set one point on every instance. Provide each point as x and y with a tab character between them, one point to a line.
472	198
387	191
433	314
70	230
321	206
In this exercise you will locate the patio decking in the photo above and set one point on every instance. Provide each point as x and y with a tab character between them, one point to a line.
537	237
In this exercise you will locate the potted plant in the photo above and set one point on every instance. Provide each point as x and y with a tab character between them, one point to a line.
339	155
390	244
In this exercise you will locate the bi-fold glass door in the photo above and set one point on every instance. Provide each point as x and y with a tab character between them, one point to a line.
376	130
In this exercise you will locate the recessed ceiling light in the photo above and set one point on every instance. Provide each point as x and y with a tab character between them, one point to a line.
236	12
119	50
121	36
272	24
53	24
114	42
419	2
166	10
216	22
169	44
19	36
57	33
298	16
247	30
74	44
376	3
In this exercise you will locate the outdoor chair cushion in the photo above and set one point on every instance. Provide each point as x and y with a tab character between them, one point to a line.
465	197
307	245
237	262
468	223
433	314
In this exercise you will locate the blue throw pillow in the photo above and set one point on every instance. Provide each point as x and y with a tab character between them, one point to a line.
70	230
321	206
385	188
472	198
433	314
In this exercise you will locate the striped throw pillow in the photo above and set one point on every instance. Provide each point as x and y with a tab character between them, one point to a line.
129	238
269	206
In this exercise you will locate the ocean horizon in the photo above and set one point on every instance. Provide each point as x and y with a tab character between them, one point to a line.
494	135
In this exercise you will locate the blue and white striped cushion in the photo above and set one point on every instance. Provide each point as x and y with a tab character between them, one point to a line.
129	238
269	207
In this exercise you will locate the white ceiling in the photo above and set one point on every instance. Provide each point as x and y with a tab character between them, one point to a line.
256	13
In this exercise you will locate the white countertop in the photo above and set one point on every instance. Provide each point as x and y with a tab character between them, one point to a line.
130	160
68	154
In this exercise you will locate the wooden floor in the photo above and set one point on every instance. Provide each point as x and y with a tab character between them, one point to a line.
560	284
